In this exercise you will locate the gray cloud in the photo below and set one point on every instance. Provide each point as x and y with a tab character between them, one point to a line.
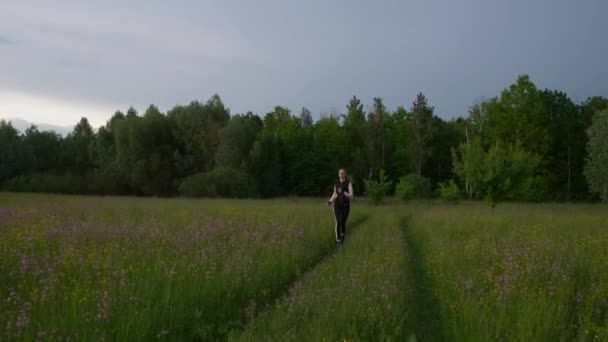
314	53
69	63
4	40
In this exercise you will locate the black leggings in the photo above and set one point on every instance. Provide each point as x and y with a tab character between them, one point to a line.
341	215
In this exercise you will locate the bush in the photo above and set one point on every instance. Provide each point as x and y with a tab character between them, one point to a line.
449	191
219	182
405	190
377	190
54	183
413	186
25	183
531	189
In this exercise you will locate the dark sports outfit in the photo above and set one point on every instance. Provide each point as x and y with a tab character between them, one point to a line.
341	208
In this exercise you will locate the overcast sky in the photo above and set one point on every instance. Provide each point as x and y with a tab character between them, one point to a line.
60	60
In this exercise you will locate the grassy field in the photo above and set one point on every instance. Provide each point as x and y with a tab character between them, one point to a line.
90	268
524	272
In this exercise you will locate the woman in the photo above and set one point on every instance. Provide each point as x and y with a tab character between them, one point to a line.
343	193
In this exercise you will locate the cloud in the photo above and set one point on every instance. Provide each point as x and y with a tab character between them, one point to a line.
5	40
124	30
120	55
70	63
51	110
21	125
317	54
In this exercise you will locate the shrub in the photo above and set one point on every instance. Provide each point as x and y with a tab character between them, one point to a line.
54	183
25	183
449	191
405	190
219	182
531	189
421	186
377	189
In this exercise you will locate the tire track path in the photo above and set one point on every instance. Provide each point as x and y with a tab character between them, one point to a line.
426	319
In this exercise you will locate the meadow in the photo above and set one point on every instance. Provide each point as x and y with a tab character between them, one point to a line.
524	272
123	268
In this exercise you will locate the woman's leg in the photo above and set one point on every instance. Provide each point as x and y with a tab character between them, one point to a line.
345	212
338	218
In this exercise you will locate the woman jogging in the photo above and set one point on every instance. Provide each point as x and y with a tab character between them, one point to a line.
343	192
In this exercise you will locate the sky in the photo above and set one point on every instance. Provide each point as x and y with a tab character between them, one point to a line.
61	60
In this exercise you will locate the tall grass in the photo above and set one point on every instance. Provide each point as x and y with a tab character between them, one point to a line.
358	294
126	268
85	268
534	272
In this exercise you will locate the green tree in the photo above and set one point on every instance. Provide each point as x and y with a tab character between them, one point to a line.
195	130
591	106
377	137
355	131
468	162
275	120
399	135
306	118
567	152
500	173
477	122
15	157
421	133
293	143
596	168
266	162
107	169
587	110
330	146
236	140
105	144
46	148
264	165
104	147
446	135
297	145
510	173
519	115
131	113
144	147
76	148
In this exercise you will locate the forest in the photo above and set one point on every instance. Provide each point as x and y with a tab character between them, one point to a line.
525	144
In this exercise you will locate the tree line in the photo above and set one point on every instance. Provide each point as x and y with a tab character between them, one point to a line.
524	144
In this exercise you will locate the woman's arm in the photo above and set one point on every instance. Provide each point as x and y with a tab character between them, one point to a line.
349	194
333	196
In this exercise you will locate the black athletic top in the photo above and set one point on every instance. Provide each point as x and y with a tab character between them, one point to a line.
341	188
